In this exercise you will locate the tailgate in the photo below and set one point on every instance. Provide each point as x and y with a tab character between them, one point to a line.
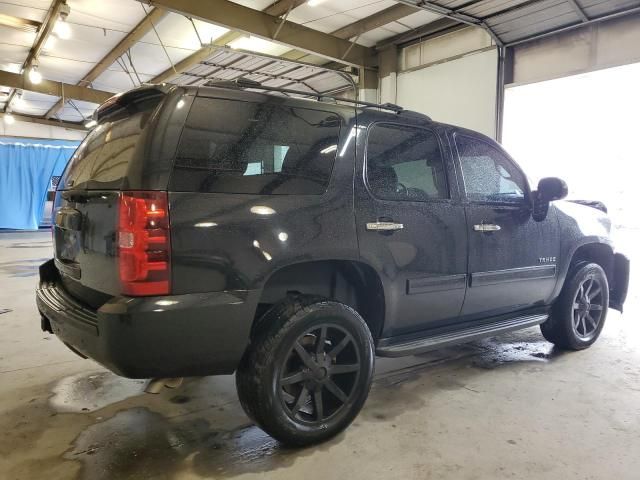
84	234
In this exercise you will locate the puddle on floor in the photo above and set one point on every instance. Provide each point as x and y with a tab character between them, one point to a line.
101	426
89	392
496	353
137	443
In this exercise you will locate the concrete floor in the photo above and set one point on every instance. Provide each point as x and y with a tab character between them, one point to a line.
510	407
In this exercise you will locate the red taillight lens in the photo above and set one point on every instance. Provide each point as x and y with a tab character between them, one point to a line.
144	243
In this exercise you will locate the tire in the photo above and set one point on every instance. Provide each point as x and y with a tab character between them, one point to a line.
576	320
297	387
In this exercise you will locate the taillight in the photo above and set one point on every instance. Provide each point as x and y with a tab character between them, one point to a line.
144	243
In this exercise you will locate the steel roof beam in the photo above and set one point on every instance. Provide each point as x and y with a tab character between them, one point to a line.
281	7
19	23
261	24
139	31
49	87
364	25
41	38
276	9
50	123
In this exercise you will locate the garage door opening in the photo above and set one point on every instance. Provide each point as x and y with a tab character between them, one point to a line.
583	129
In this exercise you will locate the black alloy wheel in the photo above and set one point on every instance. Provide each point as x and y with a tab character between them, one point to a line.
320	373
308	370
587	308
579	313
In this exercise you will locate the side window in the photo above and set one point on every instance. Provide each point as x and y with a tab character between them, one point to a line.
230	146
405	163
487	173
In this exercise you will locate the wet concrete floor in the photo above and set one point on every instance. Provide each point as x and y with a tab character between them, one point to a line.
508	407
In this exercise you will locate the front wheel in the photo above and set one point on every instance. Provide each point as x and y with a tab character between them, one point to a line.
579	313
308	370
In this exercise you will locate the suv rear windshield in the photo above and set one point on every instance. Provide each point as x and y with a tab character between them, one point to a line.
231	146
102	159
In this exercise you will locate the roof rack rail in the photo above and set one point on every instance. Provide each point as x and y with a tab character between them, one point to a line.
245	83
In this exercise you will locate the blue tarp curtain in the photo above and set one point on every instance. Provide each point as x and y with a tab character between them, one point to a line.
26	168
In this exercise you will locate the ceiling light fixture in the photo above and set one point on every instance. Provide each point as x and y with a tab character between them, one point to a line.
35	76
315	3
9	119
62	28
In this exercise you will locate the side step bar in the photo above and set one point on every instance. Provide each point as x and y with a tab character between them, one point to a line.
433	342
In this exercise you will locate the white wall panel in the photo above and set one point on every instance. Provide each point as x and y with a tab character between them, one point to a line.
460	91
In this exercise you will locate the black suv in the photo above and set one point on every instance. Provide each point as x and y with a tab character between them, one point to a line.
218	229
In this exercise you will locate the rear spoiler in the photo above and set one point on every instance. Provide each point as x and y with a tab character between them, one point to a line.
128	103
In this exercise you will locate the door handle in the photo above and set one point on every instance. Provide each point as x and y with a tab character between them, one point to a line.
384	226
486	227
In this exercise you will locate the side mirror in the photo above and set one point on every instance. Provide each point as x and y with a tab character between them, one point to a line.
549	189
552	188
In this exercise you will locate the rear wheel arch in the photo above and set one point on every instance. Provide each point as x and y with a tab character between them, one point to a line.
351	282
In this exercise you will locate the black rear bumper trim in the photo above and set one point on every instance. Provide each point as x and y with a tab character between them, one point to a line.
169	336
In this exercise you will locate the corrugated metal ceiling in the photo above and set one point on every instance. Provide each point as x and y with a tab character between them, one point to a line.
514	21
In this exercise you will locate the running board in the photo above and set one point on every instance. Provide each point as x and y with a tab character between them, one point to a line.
433	342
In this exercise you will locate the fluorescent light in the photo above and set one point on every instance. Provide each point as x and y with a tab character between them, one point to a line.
62	29
91	124
9	119
315	3
35	76
257	44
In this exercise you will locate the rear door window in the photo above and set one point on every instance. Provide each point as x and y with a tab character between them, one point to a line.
405	164
230	146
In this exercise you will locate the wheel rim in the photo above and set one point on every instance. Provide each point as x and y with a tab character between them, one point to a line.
587	308
319	374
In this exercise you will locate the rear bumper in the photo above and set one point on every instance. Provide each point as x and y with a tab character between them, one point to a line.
146	337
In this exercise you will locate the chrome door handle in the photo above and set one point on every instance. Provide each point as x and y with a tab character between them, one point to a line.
384	226
486	227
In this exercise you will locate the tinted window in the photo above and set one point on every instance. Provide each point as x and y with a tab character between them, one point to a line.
230	146
405	163
102	159
488	174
